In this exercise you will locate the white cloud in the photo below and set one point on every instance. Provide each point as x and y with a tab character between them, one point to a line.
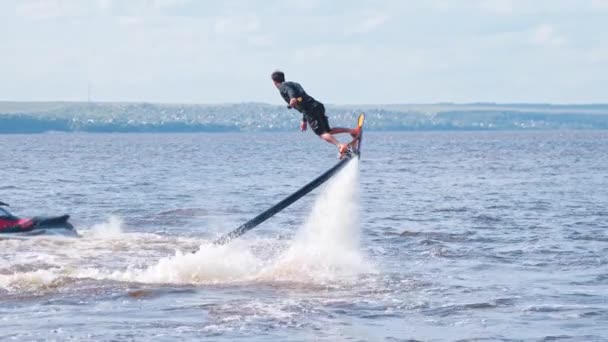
441	5
261	40
546	35
141	42
599	4
129	20
50	9
305	4
310	54
56	9
236	25
369	24
168	4
598	55
497	6
104	5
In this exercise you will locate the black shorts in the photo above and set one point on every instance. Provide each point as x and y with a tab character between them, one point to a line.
317	120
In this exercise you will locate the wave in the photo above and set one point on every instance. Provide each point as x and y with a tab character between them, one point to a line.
324	250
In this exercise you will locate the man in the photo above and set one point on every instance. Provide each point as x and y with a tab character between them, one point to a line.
313	112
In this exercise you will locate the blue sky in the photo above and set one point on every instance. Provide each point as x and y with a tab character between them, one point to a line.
342	52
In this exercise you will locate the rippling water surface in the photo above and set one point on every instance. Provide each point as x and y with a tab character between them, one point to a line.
431	237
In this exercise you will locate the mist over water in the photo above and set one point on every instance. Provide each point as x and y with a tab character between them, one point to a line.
430	236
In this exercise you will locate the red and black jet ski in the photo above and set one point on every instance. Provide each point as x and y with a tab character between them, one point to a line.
11	224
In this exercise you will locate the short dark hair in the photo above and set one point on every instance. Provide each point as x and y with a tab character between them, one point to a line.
278	76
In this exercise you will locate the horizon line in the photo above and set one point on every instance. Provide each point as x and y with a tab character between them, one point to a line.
441	103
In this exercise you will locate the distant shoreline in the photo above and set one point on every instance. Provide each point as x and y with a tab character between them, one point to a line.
95	117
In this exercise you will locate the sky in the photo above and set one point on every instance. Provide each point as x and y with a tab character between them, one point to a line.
342	52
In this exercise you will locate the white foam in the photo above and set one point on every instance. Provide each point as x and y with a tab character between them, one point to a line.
210	264
327	247
29	281
108	230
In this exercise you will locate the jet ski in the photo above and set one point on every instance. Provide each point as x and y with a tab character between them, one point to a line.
13	225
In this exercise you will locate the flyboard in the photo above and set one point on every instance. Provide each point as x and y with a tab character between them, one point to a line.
355	151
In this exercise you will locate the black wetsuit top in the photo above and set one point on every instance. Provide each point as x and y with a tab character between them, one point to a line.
306	105
312	110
